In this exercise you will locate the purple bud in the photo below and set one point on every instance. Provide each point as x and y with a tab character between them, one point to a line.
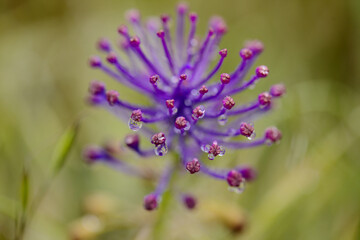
223	52
97	88
136	115
93	153
246	53
134	42
124	44
150	202
277	90
183	77
133	15
255	46
160	33
112	97
198	112
111	58
193	17
132	141
218	24
95	61
225	78
234	178
158	139
153	79
165	18
104	44
123	30
262	71
180	122
210	32
193	166
203	90
273	134
264	99
215	149
189	201
182	8
228	102
170	103
248	173
246	129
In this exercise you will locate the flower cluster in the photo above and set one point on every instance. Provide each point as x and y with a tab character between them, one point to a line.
193	110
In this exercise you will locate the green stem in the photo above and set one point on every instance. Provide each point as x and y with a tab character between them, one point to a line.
162	216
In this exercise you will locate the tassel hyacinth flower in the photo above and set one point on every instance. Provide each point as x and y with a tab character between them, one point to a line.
192	111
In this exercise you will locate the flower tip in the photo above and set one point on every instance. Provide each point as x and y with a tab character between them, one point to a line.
170	103
158	139
246	129
255	46
189	201
193	166
160	33
123	30
150	202
218	24
248	173
278	90
246	53
136	115
112	97
132	141
225	78
181	122
133	15
95	61
165	18
262	71
153	79
198	112
234	178
183	77
182	8
104	44
97	88
223	52
228	102
112	58
203	90
273	134
92	153
193	17
264	99
134	41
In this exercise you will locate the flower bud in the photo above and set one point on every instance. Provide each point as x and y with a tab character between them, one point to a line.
273	134
264	99
228	102
234	178
262	71
112	97
277	90
132	141
225	78
246	129
193	166
150	202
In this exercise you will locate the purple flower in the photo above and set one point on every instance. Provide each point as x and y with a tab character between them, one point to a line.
190	104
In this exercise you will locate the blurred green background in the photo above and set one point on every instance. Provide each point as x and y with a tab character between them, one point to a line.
308	186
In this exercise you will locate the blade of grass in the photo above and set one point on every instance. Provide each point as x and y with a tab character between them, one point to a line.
63	148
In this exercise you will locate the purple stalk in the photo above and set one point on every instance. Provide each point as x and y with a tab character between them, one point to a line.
244	109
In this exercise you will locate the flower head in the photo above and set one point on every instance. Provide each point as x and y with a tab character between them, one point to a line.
174	73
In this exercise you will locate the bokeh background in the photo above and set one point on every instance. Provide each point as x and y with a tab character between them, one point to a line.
308	187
